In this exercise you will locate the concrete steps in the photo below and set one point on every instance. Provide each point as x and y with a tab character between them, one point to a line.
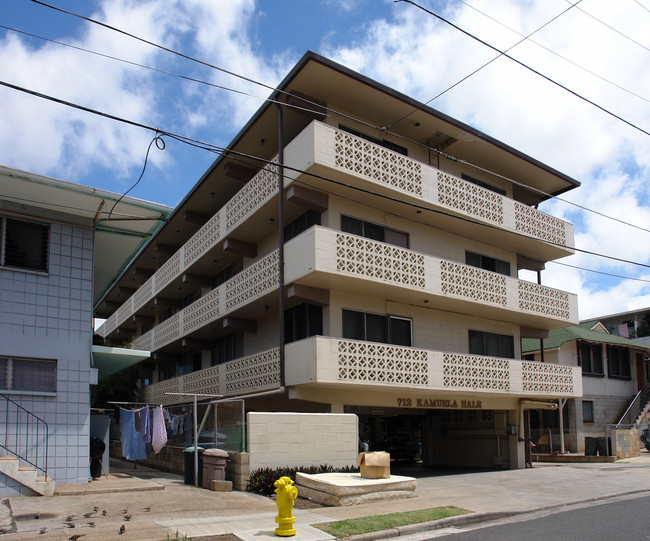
26	475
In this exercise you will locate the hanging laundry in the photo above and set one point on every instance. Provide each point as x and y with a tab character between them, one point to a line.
133	446
158	431
145	424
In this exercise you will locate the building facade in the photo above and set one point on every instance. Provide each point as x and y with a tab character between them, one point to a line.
378	277
614	376
48	248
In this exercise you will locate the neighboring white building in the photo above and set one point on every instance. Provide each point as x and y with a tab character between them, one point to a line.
614	373
52	234
383	283
633	324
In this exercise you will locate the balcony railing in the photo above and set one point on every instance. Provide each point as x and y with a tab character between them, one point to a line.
334	361
347	257
342	151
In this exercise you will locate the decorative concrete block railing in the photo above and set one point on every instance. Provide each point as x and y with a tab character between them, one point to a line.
324	145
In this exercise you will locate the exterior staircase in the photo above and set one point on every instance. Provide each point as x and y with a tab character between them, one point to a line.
638	408
25	444
26	475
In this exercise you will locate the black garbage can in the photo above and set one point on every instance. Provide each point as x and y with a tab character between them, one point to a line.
189	465
97	448
591	446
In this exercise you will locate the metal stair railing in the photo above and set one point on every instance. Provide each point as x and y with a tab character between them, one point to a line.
25	435
632	412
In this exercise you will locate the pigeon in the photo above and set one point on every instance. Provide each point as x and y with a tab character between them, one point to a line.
127	517
147	509
122	529
91	524
75	536
70	518
37	515
125	510
89	514
104	513
42	531
5	530
70	524
95	509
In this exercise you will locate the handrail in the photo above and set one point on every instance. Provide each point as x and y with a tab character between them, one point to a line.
29	436
634	405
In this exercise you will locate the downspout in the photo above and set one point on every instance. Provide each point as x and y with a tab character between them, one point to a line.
541	340
281	241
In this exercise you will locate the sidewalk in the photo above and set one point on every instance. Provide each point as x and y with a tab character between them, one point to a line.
175	506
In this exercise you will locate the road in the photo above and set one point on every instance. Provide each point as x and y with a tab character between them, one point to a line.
621	519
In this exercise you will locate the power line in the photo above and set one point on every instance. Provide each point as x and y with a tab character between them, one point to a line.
334	112
549	50
488	62
536	72
601	272
613	29
230	152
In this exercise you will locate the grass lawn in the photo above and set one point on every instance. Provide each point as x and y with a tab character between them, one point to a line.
376	523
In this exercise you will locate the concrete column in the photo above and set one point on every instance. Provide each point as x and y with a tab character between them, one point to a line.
516	447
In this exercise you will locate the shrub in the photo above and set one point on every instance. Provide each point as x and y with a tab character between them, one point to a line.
261	481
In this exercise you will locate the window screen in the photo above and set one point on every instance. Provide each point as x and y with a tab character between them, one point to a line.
491	344
302	321
374	231
25	244
619	362
591	358
487	263
377	328
33	375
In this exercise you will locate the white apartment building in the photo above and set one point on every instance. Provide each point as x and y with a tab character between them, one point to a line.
381	282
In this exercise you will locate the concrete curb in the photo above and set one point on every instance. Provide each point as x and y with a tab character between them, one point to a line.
471	518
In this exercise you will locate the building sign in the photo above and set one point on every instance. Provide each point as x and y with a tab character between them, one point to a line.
438	403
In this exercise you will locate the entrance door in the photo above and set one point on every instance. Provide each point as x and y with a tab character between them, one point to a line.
640	380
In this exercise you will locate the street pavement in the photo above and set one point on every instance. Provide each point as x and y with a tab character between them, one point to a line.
152	505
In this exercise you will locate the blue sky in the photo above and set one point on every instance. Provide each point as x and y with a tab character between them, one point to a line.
394	43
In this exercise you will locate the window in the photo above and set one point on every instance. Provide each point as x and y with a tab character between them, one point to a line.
487	263
590	357
374	231
166	369
618	361
300	224
302	321
377	328
381	142
227	348
27	374
24	244
227	273
491	344
483	184
191	362
587	411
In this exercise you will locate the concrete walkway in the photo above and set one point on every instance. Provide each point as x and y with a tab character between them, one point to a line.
159	504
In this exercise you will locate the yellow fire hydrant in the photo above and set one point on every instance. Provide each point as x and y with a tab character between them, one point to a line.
287	493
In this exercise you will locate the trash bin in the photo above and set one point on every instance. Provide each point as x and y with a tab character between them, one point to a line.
214	466
97	448
189	464
602	447
591	446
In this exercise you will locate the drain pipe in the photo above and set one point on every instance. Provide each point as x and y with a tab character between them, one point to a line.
541	340
281	240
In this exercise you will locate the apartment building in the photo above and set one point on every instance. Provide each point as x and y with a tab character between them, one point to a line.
53	234
379	277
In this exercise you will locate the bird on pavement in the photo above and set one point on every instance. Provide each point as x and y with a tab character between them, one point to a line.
70	524
70	518
75	536
104	513
147	509
89	514
37	515
91	524
122	529
127	517
42	531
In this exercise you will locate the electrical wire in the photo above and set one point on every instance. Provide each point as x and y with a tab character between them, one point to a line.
558	55
160	145
523	65
613	29
601	272
342	115
488	62
222	151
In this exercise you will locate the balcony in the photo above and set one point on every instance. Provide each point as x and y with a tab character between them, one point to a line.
346	364
322	149
322	257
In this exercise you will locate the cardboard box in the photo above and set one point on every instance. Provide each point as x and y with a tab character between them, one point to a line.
375	465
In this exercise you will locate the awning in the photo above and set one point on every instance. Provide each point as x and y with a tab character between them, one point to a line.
110	360
538	405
